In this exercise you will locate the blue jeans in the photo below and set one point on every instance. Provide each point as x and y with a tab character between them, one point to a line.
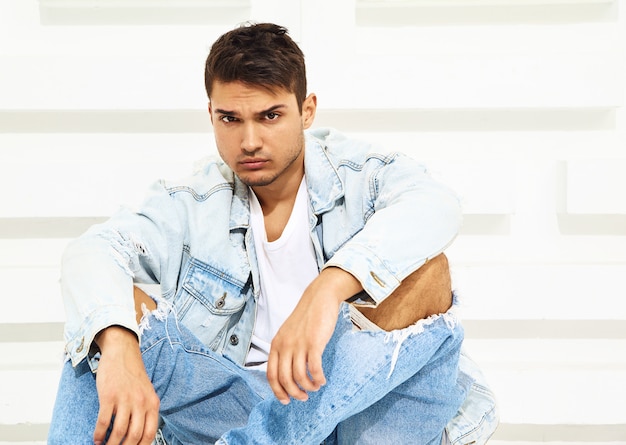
382	387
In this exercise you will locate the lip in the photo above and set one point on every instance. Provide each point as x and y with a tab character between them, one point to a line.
253	163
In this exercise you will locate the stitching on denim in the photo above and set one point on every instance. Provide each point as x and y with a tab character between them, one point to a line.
196	196
479	426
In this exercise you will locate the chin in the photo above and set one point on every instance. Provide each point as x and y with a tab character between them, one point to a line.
256	181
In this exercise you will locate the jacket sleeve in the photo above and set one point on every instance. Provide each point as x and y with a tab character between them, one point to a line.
98	268
410	218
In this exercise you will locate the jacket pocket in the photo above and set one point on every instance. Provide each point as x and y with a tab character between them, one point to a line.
211	302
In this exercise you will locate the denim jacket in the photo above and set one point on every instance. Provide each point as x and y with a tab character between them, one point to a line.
375	214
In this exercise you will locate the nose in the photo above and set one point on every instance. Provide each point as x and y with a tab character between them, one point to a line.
251	140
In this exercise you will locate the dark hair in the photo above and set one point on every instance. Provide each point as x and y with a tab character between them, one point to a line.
259	54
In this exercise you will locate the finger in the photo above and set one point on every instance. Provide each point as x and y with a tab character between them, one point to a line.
150	427
135	429
316	369
102	423
300	374
120	427
286	380
272	378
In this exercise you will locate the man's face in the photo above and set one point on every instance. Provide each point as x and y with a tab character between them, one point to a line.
259	134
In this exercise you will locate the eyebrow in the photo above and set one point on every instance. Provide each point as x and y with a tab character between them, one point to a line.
260	113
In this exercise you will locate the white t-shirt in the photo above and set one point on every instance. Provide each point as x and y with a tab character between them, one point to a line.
286	267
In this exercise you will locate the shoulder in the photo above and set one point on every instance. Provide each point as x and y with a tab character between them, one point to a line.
208	175
344	151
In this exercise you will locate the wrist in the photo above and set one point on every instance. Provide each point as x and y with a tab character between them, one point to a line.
340	283
115	336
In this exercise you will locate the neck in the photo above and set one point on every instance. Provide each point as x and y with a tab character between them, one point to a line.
283	189
277	205
275	195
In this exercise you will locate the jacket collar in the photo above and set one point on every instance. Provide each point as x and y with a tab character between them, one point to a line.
240	206
323	181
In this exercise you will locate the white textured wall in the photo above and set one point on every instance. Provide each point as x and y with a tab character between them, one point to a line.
519	104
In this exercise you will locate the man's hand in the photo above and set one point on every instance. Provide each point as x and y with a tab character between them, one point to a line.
124	390
295	361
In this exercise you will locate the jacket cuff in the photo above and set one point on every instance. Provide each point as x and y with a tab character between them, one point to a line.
79	341
377	279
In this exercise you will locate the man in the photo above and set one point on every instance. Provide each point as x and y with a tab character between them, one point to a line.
304	294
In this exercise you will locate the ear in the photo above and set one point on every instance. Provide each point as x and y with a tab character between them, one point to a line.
210	113
309	106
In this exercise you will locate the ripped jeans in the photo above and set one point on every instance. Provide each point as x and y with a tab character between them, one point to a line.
399	387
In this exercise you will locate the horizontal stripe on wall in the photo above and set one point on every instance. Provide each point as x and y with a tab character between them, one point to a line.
507	12
348	120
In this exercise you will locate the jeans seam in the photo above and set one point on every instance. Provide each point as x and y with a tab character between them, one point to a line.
477	427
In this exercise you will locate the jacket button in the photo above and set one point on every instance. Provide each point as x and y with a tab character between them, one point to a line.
221	302
81	346
234	340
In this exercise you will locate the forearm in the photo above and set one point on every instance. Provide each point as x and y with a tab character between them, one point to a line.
337	284
295	361
97	293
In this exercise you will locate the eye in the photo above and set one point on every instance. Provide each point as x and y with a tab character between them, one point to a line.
272	116
228	119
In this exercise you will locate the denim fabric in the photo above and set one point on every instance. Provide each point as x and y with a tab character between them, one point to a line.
383	387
